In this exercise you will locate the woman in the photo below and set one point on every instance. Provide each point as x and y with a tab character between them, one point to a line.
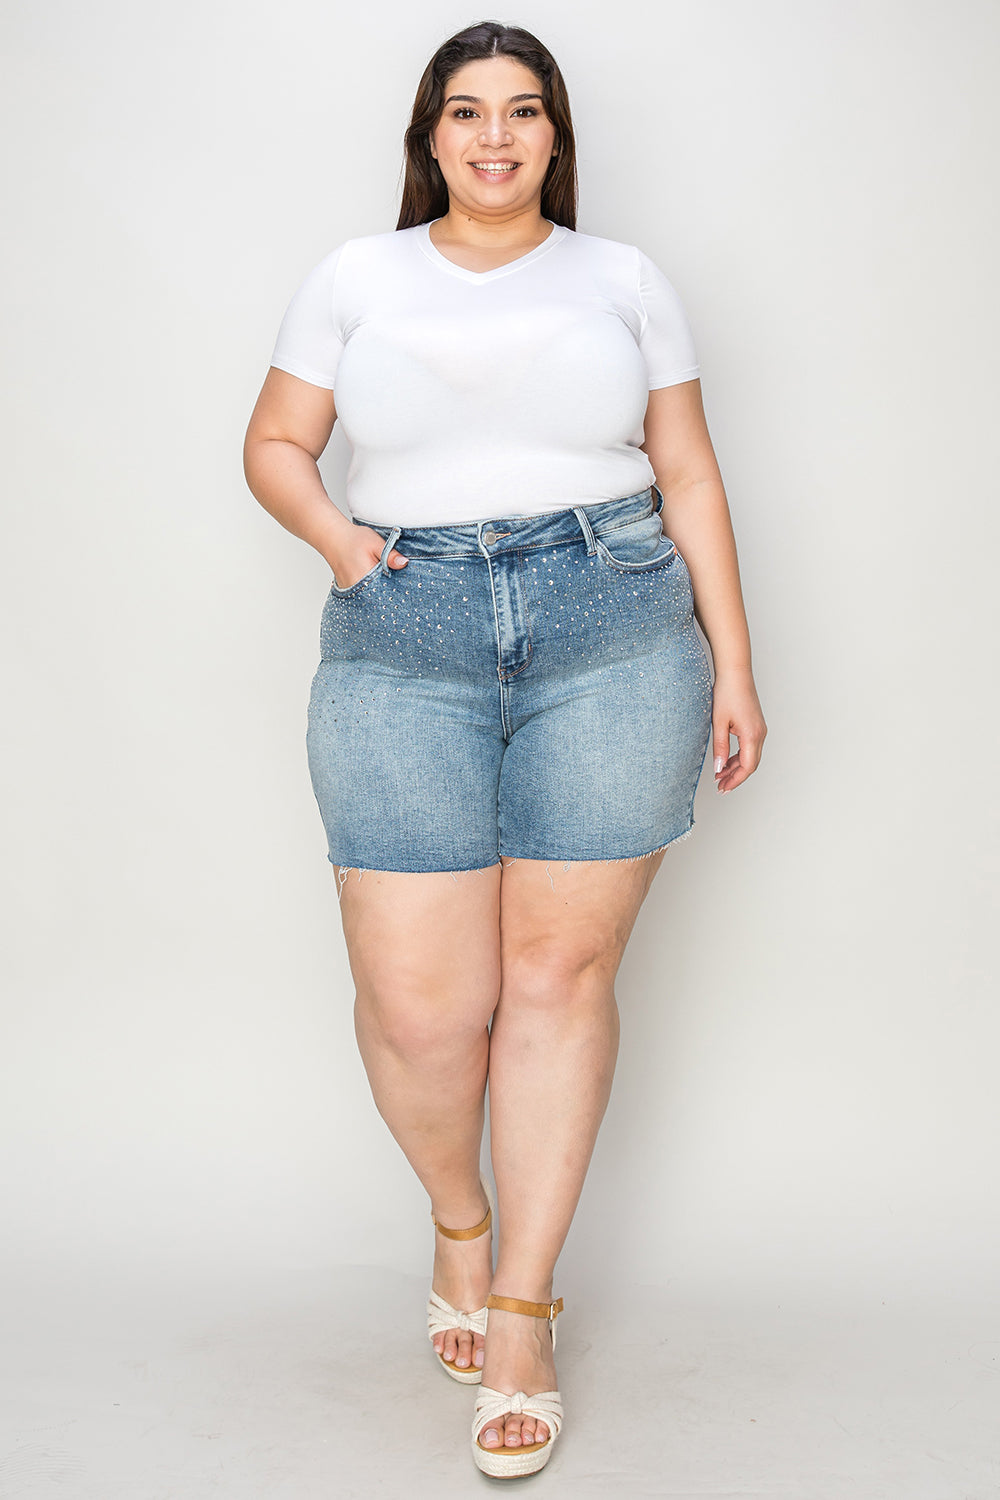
513	705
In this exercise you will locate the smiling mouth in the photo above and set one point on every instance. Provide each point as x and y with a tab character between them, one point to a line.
495	168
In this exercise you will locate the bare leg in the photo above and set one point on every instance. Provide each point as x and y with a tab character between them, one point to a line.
552	1057
425	954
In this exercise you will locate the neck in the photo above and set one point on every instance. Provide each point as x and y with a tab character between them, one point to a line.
462	226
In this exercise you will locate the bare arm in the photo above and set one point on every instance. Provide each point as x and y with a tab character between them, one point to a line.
696	517
289	429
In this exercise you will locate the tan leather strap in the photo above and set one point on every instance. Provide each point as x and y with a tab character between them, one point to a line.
465	1234
550	1310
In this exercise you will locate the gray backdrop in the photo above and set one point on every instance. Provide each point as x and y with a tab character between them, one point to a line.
806	1097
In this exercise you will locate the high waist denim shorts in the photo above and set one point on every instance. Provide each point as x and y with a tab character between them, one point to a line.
531	687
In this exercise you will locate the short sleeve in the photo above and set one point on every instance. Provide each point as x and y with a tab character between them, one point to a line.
665	338
310	341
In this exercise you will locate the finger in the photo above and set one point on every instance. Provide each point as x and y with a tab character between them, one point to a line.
750	753
742	765
720	746
397	560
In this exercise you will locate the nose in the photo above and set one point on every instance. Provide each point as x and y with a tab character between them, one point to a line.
495	131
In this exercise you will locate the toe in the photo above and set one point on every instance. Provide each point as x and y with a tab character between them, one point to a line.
478	1350
490	1438
464	1356
512	1432
450	1348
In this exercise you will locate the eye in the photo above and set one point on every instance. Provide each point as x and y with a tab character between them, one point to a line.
462	111
526	109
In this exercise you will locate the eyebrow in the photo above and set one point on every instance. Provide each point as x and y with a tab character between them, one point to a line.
472	98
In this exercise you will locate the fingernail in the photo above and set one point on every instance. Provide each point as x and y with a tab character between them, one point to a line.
719	763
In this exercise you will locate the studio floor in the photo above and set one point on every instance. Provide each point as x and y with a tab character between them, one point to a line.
318	1385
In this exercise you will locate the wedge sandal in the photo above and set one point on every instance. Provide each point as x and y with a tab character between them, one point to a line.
441	1316
492	1406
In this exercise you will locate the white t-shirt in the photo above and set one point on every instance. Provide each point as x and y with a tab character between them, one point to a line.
473	395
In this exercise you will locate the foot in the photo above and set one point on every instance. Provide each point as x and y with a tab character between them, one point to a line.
518	1358
463	1270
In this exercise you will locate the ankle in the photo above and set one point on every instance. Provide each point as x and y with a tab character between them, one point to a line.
460	1211
526	1285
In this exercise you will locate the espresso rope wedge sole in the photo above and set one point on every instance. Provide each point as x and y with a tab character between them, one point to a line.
442	1317
492	1406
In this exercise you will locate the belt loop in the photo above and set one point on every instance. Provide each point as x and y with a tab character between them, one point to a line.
391	541
659	506
586	528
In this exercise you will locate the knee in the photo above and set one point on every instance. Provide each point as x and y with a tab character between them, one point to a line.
549	977
419	1020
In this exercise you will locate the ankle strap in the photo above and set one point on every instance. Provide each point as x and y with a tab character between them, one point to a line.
465	1234
550	1310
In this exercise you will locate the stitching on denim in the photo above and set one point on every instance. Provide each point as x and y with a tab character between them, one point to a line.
522	584
516	671
650	567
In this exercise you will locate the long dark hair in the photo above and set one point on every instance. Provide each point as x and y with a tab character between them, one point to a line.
425	192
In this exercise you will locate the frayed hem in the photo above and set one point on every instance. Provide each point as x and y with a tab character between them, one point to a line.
342	872
623	859
633	858
630	858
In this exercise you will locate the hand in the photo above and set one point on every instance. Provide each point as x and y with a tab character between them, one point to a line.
736	710
358	555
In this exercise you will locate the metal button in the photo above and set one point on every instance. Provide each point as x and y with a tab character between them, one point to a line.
489	537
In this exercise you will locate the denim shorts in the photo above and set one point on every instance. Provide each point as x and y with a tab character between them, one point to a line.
531	687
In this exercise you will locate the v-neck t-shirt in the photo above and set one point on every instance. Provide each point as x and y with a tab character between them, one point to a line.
473	395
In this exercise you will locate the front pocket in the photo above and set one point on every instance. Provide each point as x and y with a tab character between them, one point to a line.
339	593
638	547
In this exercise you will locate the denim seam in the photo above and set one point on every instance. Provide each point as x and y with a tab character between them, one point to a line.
496	629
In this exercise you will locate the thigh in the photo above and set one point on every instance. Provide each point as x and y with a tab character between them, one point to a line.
558	918
433	936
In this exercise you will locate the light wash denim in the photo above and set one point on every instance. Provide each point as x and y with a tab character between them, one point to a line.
532	687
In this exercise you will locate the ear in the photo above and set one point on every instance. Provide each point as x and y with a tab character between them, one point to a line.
430	142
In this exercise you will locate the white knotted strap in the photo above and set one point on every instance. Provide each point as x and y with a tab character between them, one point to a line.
493	1405
441	1316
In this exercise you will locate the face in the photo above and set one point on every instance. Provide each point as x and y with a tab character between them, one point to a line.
494	141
